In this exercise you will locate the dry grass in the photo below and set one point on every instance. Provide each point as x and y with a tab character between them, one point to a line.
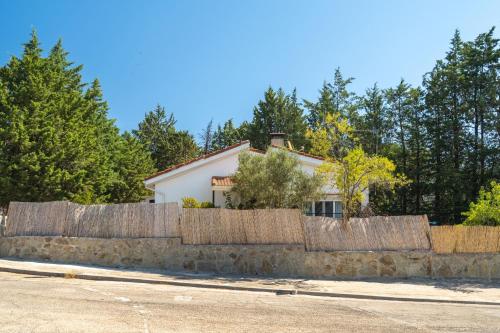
465	239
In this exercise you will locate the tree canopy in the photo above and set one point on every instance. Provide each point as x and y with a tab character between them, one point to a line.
274	180
486	211
353	175
167	145
56	140
278	112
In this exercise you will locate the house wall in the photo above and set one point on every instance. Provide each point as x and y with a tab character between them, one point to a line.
195	182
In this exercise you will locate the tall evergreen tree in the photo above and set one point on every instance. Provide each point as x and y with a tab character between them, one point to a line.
334	97
319	110
56	140
228	135
206	137
167	145
481	59
278	112
375	125
344	101
398	100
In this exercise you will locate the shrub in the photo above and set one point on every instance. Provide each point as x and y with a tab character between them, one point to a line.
206	204
189	202
275	180
486	211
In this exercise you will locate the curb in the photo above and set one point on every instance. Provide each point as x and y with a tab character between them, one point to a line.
240	288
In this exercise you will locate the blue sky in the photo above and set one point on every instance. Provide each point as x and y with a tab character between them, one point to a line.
214	59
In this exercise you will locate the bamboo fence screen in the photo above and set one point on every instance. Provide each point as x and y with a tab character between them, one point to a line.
465	239
199	226
375	233
230	226
61	218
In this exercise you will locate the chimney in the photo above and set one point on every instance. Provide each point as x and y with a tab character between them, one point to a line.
278	139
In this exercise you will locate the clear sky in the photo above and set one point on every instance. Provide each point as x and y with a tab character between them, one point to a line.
214	59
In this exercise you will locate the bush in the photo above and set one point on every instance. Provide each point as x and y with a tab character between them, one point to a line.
189	202
486	211
274	180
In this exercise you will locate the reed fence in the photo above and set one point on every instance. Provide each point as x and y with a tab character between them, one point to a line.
61	218
465	239
199	226
229	226
375	233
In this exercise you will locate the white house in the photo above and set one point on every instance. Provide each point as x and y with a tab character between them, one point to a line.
206	178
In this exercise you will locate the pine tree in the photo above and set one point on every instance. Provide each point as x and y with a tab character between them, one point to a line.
333	98
398	100
344	101
228	135
320	109
481	58
206	137
374	126
57	142
278	112
131	165
167	145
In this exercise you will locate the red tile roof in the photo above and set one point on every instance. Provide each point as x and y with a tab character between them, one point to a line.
300	152
222	181
255	150
177	166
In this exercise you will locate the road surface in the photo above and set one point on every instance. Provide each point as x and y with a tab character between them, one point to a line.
42	304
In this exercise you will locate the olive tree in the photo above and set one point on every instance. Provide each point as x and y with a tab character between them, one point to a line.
274	180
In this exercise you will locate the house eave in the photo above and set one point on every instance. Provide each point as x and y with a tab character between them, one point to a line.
195	165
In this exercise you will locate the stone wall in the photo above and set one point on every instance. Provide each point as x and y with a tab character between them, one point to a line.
267	260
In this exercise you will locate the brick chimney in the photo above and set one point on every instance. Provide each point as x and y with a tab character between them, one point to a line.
278	139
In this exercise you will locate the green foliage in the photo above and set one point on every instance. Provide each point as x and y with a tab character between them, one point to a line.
206	138
190	202
56	141
206	204
486	211
334	138
167	145
353	174
274	181
228	135
462	124
131	166
278	112
335	98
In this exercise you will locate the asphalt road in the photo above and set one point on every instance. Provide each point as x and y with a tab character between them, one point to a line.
41	304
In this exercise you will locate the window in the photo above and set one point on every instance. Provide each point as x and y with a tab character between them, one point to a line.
325	208
318	208
328	208
338	209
